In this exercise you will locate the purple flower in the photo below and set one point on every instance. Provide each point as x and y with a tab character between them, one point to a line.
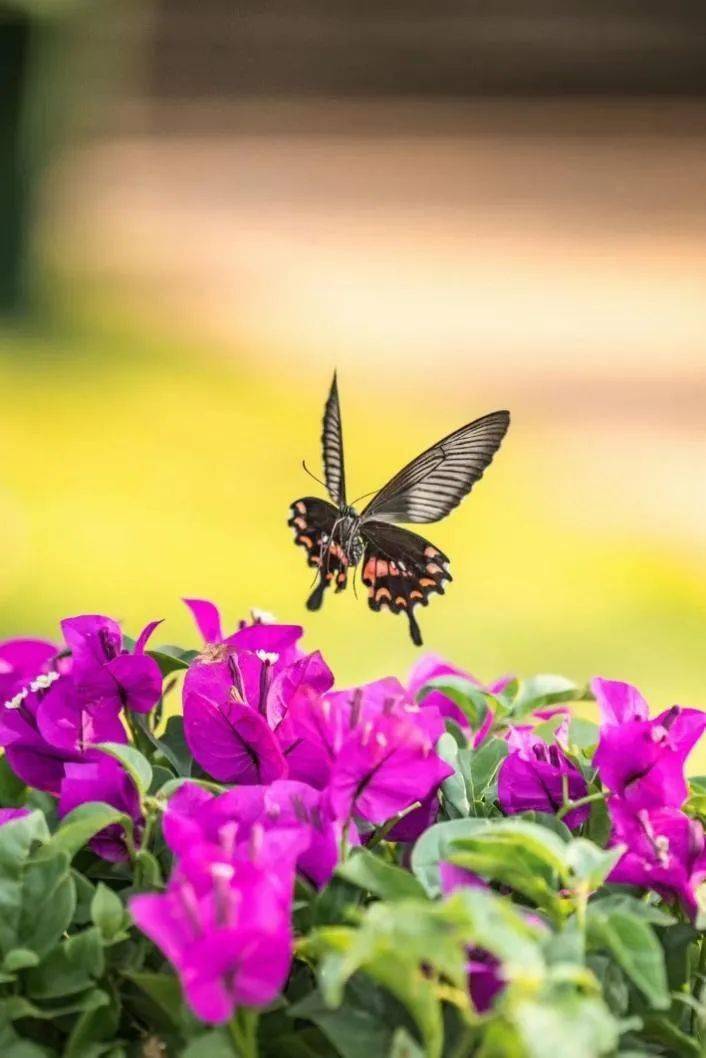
262	634
104	672
199	826
229	738
535	776
384	765
431	667
8	814
103	780
665	851
21	661
44	726
643	761
231	942
618	702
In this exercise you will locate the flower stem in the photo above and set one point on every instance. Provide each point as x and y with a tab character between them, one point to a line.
381	833
243	1032
569	806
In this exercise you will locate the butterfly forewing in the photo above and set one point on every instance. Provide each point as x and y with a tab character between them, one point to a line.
400	570
438	479
332	444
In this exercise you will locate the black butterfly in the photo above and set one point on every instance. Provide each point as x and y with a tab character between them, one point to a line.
400	568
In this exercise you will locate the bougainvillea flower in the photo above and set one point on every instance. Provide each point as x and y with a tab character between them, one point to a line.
8	814
232	943
618	703
260	634
383	767
36	761
665	852
104	672
199	825
643	761
67	724
535	776
103	780
230	740
431	667
21	661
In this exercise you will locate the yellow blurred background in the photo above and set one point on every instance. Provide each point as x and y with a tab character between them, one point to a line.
460	209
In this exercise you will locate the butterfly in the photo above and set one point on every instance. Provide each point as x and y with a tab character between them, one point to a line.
399	568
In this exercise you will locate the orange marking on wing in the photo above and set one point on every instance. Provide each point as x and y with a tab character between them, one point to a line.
341	578
382	568
383	593
414	594
306	540
400	600
300	523
430	552
427	582
432	567
300	507
369	571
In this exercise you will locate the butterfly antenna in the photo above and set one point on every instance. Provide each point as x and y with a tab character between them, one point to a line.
320	482
364	496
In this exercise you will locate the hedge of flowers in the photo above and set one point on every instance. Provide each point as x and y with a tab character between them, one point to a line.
440	868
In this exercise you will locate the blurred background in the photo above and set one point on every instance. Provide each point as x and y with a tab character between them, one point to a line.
205	208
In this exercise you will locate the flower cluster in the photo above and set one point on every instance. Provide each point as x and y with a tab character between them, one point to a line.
59	702
641	763
475	850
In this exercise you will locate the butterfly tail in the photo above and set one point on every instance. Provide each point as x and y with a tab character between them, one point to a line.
414	629
317	596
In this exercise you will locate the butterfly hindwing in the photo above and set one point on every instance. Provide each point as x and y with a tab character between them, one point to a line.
314	523
401	569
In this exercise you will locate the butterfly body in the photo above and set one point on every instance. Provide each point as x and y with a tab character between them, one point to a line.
399	568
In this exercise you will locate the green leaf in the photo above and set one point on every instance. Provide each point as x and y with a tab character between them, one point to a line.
16	841
72	967
172	743
471	700
527	857
47	884
403	1046
213	1044
107	912
565	1024
12	789
583	734
19	959
633	944
480	767
83	823
367	871
164	990
454	787
168	663
94	1028
363	1025
136	765
589	864
492	922
434	847
545	689
626	903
